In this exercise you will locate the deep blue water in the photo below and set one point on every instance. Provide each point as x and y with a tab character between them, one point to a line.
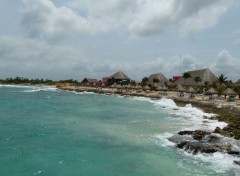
56	133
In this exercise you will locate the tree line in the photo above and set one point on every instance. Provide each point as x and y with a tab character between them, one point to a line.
21	80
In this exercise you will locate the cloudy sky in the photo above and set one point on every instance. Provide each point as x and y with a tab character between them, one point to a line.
63	39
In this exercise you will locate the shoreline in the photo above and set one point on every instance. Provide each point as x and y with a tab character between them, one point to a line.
228	112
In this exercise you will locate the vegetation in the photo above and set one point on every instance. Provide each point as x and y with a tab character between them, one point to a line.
186	75
222	79
21	80
197	79
144	81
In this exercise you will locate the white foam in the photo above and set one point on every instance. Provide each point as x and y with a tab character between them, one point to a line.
162	139
82	93
38	89
219	162
15	86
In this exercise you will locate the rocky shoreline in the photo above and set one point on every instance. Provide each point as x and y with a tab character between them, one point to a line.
197	141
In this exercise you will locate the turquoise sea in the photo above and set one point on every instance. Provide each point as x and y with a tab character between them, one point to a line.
44	131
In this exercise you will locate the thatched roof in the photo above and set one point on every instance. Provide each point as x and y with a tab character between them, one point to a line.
180	88
229	91
238	82
147	88
158	79
120	76
211	91
205	74
191	90
163	87
89	80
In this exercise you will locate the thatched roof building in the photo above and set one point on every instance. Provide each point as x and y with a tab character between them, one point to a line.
238	82
229	91
157	80
205	75
211	91
180	88
86	81
119	76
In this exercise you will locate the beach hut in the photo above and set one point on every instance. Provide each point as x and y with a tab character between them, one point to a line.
229	91
180	88
211	91
191	90
147	88
157	80
89	81
237	83
120	78
205	75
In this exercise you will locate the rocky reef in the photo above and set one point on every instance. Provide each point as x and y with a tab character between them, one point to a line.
199	141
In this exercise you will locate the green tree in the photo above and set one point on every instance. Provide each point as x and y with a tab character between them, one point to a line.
222	79
144	81
186	75
197	79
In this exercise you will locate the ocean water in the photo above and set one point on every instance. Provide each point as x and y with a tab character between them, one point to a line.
44	131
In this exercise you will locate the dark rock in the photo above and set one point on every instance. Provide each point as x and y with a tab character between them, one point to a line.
237	162
212	138
197	147
232	152
197	135
185	132
218	130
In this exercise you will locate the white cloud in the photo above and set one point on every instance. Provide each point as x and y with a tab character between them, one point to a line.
226	64
43	19
31	58
190	17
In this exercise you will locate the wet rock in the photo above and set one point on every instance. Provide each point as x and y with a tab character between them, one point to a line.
232	152
202	142
197	147
218	130
197	135
212	138
237	162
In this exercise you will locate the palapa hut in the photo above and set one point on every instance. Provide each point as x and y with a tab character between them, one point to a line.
237	83
157	80
191	90
180	88
120	78
162	88
211	91
205	75
229	91
89	81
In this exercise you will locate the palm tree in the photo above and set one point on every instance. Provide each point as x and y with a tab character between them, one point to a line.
197	79
144	81
222	79
186	75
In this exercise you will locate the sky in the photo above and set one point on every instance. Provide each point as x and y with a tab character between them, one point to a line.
74	39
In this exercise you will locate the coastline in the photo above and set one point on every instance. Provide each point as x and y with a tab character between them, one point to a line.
225	111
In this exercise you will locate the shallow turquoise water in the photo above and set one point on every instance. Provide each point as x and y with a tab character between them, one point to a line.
60	133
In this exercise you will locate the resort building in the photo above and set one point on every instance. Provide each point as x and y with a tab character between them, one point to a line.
197	77
237	83
158	80
119	78
89	81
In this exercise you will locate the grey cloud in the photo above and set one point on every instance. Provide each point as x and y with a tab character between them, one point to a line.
43	19
38	59
24	57
226	64
189	17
